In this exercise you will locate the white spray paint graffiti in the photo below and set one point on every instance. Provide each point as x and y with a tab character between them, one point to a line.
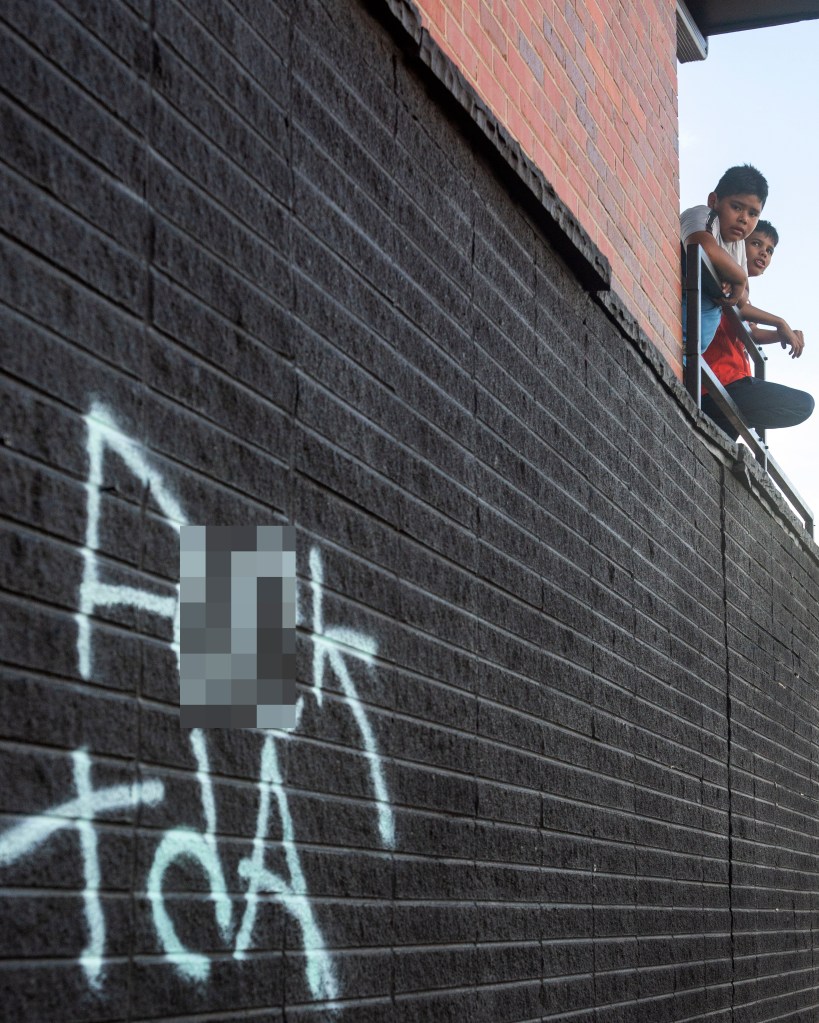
329	646
103	433
332	644
185	842
80	813
293	894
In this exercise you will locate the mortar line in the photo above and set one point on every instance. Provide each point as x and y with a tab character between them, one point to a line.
723	552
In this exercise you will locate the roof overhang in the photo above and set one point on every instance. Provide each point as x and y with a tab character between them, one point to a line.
714	17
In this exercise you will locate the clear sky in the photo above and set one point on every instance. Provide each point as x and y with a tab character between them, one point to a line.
755	99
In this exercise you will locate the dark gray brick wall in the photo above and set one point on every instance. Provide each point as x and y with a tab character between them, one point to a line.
562	762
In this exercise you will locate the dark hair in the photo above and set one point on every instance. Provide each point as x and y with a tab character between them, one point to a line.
744	180
766	227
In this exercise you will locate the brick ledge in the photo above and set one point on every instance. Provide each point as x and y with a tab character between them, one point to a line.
564	231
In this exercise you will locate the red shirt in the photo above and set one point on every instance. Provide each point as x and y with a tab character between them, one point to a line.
726	355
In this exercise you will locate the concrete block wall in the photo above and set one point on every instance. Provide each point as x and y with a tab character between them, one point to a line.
589	90
556	753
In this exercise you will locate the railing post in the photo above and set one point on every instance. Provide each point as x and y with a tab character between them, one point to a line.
693	322
759	373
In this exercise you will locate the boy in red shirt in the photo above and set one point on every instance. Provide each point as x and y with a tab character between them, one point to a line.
763	405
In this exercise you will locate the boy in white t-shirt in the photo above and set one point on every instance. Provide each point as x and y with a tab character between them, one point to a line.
721	227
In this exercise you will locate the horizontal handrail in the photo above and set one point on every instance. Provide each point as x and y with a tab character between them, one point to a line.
701	276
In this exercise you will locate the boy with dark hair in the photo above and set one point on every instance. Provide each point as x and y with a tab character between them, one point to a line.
768	232
763	405
759	249
721	227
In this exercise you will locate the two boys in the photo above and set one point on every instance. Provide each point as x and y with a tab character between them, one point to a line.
721	228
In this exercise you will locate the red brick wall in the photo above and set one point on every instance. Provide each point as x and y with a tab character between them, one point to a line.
589	90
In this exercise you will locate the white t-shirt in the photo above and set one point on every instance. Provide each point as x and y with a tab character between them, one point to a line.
702	218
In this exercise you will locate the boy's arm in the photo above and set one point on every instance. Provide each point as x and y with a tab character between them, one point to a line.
728	270
766	337
781	332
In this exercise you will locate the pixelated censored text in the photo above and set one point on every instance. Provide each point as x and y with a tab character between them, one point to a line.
237	665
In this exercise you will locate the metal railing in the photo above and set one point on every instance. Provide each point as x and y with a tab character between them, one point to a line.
701	276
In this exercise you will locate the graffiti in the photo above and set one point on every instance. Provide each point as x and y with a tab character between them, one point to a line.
333	646
103	433
80	813
293	894
329	646
185	842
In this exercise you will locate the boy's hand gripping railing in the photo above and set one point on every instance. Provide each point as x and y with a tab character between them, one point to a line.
697	281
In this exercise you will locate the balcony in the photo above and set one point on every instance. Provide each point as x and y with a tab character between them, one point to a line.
700	276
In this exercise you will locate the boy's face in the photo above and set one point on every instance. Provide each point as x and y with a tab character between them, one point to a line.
737	214
759	248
